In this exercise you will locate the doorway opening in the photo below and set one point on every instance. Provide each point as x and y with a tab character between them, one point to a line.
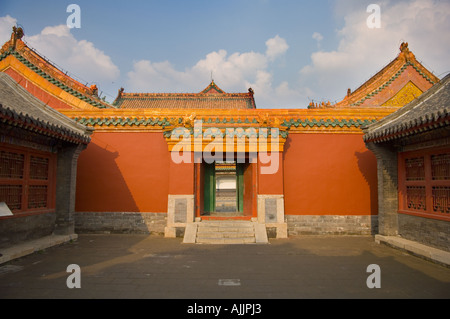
226	189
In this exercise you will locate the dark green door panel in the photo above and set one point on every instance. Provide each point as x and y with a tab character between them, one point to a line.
210	187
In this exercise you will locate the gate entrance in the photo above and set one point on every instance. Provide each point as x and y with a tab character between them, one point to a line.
226	189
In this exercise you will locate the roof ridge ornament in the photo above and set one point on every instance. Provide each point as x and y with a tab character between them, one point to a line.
405	53
212	86
17	34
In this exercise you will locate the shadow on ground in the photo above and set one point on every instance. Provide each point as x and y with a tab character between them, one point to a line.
152	267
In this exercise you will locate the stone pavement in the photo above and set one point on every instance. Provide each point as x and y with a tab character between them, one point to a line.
153	267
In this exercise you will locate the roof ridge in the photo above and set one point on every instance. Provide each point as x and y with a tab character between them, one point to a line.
381	128
212	86
398	65
151	94
44	68
384	85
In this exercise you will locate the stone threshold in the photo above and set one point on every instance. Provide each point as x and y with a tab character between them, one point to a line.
429	253
29	247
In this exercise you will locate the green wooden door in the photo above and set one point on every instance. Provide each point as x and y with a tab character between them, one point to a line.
210	187
240	187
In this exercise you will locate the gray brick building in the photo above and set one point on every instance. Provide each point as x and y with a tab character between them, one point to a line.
39	148
412	147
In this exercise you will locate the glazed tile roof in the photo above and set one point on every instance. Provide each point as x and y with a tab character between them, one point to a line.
431	110
20	108
212	97
17	48
404	72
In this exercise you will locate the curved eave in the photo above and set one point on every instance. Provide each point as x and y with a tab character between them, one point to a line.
9	117
407	129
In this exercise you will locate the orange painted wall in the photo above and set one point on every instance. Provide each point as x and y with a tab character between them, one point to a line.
181	177
271	184
123	172
329	174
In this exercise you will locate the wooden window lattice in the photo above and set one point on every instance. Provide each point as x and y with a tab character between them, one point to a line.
25	180
440	167
415	169
12	196
39	168
11	165
37	196
441	199
416	197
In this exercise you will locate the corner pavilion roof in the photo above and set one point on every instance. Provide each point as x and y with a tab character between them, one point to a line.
428	112
398	83
20	108
17	56
212	97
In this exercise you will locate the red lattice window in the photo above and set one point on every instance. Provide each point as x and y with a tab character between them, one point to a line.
416	197
424	183
37	196
11	165
12	196
39	168
440	167
415	169
441	199
26	179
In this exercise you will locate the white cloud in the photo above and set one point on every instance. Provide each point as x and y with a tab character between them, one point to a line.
6	24
276	47
80	57
363	51
318	37
232	72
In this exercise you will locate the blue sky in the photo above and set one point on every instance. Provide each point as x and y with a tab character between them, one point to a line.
289	52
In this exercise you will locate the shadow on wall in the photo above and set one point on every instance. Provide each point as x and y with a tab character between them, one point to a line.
104	203
100	184
367	164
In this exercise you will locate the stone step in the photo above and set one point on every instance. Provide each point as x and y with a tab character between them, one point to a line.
226	241
225	223
228	229
224	234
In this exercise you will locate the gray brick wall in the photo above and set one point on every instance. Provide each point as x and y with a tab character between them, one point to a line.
331	225
387	167
430	232
120	223
19	229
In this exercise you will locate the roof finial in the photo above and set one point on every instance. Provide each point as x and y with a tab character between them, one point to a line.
17	34
212	79
405	52
404	47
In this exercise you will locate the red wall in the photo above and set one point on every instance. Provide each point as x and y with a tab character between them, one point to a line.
123	172
181	177
329	174
323	174
271	184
